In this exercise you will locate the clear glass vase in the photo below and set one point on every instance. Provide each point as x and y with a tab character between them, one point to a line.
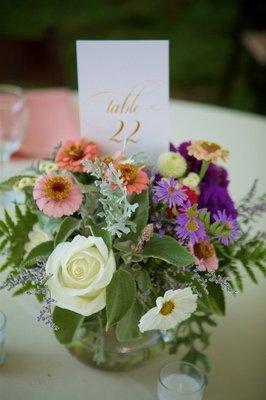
105	352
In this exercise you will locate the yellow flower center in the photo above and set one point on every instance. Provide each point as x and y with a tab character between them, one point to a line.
75	151
57	187
171	189
167	308
228	225
228	228
204	250
191	212
128	172
107	160
210	147
192	225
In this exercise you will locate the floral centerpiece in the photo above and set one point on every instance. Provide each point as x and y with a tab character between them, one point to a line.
126	256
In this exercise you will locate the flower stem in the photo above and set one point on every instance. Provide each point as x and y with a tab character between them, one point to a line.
203	169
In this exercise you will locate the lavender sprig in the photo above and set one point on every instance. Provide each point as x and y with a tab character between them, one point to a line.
37	278
46	314
34	276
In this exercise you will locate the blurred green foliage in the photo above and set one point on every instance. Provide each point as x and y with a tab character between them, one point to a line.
199	32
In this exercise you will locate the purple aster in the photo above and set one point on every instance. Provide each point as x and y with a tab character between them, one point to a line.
214	198
230	224
170	192
189	226
191	229
188	211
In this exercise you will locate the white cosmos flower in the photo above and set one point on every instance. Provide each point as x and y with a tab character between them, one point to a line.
80	271
36	236
171	309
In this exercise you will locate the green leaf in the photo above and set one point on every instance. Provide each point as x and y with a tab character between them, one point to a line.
166	248
216	298
205	217
67	227
17	234
143	280
203	358
23	290
3	244
120	295
48	223
68	322
4	228
250	272
97	230
123	247
38	253
214	226
8	220
238	278
4	266
127	328
140	216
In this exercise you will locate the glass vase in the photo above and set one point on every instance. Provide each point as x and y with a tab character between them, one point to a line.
104	351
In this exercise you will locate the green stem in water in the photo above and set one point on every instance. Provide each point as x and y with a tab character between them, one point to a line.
203	169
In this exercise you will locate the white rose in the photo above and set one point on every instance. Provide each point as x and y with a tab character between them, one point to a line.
36	236
80	271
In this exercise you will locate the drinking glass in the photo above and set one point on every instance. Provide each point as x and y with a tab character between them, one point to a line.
2	336
180	380
13	119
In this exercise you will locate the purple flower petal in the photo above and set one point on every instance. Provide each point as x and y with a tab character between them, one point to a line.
169	191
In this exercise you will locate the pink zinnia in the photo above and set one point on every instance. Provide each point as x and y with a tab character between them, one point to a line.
57	195
204	255
73	152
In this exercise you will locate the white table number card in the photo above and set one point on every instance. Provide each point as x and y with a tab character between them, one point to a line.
124	94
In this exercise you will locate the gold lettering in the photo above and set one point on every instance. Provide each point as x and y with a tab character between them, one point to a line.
130	137
116	137
128	105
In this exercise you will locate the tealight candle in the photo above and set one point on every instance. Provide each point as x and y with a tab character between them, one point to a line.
2	336
180	381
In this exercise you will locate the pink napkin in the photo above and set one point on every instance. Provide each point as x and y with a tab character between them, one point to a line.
52	118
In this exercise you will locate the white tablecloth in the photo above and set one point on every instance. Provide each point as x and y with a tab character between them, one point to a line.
37	367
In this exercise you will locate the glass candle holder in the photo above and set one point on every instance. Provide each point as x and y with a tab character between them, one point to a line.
13	119
180	380
2	336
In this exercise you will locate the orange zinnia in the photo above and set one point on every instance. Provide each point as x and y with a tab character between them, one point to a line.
134	179
73	152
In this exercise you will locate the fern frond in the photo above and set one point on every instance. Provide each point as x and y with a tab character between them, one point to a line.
15	233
